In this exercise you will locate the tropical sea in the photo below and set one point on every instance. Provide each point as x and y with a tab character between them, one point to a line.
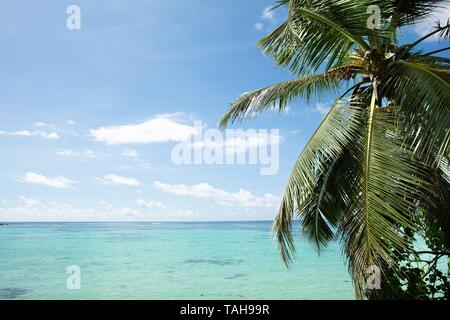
168	260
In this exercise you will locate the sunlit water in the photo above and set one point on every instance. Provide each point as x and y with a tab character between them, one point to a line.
226	260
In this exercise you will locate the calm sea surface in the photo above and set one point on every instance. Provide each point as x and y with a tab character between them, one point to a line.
213	260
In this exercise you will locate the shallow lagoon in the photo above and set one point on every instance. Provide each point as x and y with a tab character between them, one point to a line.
211	260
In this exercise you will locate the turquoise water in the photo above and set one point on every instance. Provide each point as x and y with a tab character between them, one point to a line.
222	260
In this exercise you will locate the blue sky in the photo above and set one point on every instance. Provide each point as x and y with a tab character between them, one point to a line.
136	64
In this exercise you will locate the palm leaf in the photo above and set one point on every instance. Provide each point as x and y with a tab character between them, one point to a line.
278	95
336	130
406	12
383	202
422	92
317	31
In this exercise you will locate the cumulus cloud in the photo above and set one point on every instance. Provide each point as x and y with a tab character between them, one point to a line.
42	124
28	133
166	211
39	179
162	128
113	179
238	141
242	198
29	202
150	204
32	209
83	155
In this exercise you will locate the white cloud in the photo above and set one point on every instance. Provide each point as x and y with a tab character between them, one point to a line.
268	14
65	153
57	182
113	179
162	128
52	135
242	198
42	124
84	155
321	108
29	202
426	26
151	204
239	142
166	211
27	133
259	26
130	153
32	209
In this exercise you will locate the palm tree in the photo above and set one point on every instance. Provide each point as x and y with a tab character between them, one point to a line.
381	153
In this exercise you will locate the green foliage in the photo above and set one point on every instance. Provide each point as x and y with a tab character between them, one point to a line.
418	274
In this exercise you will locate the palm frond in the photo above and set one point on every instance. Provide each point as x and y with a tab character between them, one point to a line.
379	159
278	95
406	12
318	223
318	31
335	132
437	204
430	60
383	202
442	30
422	92
322	212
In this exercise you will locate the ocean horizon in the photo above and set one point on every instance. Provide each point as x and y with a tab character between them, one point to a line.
164	260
